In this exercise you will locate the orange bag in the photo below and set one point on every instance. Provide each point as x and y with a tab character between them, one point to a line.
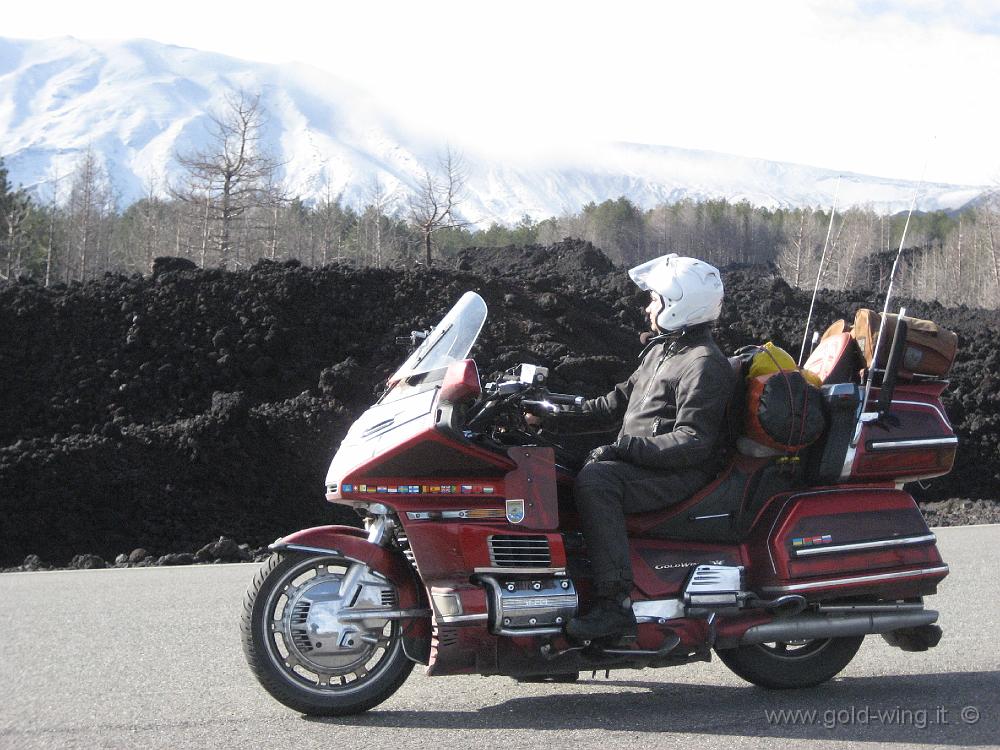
784	411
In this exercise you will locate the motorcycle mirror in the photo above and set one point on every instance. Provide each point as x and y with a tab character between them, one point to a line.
533	374
413	338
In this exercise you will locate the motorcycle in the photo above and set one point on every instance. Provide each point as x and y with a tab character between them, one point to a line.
471	561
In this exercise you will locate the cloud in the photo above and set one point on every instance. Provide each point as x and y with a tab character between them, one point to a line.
975	16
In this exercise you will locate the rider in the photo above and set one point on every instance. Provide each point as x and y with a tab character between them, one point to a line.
672	410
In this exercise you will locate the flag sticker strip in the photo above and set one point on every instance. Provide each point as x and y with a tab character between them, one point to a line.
809	541
420	489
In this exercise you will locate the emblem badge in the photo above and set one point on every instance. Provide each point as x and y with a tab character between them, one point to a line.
515	511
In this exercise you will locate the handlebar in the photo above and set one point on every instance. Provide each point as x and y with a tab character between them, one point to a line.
566	399
532	393
532	398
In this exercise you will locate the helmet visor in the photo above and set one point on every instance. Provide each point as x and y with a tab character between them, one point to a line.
658	276
641	273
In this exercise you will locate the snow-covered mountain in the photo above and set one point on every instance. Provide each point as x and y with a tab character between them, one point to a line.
136	103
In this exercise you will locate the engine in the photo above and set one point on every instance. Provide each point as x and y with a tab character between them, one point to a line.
530	606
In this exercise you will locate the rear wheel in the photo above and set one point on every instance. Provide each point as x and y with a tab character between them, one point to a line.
793	664
306	649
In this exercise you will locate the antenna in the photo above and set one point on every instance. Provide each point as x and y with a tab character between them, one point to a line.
822	259
885	311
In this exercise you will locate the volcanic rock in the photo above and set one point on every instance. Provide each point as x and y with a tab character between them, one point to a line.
195	404
176	558
225	549
87	562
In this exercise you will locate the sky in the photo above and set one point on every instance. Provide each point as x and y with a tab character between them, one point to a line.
887	88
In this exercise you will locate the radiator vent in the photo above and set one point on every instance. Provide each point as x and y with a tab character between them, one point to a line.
444	637
521	551
404	544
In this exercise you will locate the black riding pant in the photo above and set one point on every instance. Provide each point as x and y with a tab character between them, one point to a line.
605	491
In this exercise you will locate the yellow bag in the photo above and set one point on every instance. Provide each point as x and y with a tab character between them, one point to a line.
773	359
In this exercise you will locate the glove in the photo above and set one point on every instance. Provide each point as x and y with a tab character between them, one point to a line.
537	415
539	409
603	453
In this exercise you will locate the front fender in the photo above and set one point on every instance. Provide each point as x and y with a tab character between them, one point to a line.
353	543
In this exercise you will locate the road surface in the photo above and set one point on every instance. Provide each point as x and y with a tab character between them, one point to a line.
151	658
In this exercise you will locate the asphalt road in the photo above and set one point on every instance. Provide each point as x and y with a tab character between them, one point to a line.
150	658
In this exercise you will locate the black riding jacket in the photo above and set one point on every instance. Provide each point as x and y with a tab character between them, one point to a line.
672	407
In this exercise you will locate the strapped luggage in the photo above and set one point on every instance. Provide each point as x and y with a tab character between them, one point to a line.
930	349
784	409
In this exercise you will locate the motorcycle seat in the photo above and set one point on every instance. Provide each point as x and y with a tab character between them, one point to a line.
725	508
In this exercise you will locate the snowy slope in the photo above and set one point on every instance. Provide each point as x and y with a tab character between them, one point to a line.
137	102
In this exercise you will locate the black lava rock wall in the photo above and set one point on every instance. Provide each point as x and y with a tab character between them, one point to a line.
162	411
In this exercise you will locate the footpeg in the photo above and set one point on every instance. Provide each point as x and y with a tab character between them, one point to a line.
613	645
714	588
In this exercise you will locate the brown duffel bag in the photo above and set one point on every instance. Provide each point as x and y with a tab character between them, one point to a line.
930	349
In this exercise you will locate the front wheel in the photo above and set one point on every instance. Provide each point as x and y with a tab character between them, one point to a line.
794	664
305	647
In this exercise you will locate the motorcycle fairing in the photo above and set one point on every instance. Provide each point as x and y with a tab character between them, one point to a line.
661	567
418	452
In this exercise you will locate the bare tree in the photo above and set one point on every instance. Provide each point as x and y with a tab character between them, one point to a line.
151	223
275	198
229	176
50	239
90	202
15	208
434	205
794	259
380	204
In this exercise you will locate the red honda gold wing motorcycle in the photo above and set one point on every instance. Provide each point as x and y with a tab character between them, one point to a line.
472	562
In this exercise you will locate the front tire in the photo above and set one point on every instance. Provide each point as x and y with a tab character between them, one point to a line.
798	664
300	649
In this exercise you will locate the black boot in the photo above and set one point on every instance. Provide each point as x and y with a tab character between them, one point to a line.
610	617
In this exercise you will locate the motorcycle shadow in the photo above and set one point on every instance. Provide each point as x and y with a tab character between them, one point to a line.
913	709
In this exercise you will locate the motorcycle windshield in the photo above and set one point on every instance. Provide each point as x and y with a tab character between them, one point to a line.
450	341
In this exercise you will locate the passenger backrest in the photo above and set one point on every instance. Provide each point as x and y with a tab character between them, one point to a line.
736	408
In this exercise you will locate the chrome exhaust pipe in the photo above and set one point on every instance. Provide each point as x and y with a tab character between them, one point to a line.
810	626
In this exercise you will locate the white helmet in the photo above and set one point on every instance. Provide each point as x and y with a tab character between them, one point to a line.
691	289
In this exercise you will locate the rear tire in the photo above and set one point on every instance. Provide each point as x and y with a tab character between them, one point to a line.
801	664
301	674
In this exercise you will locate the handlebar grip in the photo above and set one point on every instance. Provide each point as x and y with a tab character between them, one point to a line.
540	408
565	398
